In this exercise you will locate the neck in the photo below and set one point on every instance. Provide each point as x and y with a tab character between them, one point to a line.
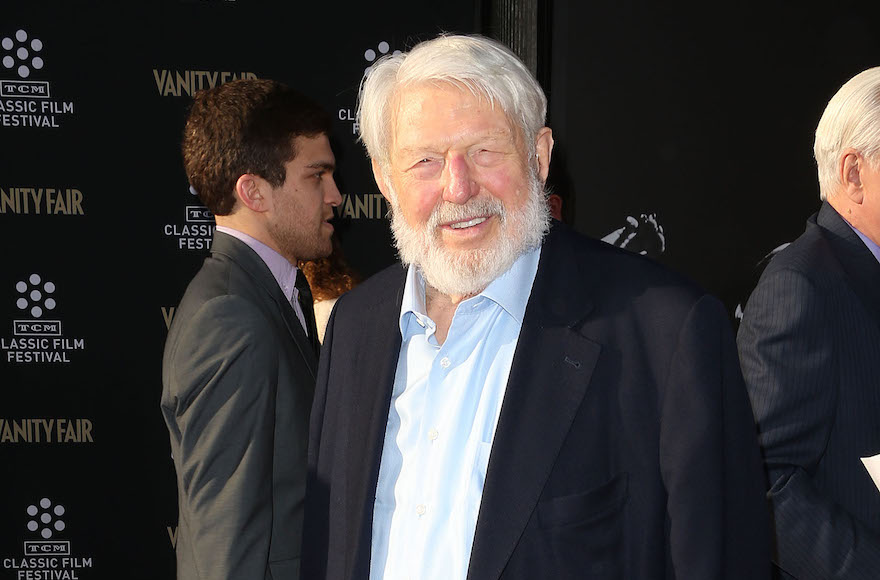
255	231
441	308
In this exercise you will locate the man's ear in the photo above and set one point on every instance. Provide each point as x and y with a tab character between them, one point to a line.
253	192
543	151
379	176
850	171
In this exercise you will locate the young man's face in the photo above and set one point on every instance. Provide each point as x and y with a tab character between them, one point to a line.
302	205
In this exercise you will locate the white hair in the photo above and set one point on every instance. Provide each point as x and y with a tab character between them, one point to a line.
851	120
485	67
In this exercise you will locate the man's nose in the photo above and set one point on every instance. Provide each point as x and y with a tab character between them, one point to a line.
331	194
460	184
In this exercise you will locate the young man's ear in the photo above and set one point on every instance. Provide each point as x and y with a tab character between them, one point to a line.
253	192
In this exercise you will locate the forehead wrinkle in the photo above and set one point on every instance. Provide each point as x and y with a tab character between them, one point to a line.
467	137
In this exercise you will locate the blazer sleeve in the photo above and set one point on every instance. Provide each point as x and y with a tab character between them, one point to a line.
719	525
788	358
228	366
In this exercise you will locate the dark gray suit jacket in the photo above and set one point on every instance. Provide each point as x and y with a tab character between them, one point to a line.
238	381
810	349
625	447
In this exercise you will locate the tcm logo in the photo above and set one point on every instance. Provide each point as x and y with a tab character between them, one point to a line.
25	89
47	557
35	339
371	55
199	215
35	296
45	519
56	548
346	114
37	328
197	231
23	51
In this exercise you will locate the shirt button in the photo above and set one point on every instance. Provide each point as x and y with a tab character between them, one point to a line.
433	434
420	509
444	362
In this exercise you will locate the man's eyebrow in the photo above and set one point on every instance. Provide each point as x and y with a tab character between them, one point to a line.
325	165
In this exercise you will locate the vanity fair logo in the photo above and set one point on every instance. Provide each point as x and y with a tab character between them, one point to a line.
41	201
26	100
58	430
196	228
360	206
180	83
46	553
37	337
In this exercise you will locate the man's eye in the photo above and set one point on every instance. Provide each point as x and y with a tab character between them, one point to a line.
426	168
487	157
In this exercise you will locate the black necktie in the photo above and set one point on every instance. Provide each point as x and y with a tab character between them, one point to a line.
308	309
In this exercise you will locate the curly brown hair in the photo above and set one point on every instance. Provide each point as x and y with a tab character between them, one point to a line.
330	277
245	126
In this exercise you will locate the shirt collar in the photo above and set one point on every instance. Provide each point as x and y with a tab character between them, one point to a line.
875	249
283	271
510	291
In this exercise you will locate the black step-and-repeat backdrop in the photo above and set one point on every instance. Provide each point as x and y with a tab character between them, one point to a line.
101	235
685	129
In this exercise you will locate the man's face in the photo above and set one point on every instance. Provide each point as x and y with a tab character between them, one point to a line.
302	205
465	200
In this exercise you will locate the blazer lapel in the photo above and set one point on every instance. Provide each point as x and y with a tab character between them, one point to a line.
860	265
549	377
376	364
249	261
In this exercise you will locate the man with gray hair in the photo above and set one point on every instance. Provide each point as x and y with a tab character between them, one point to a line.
517	401
810	349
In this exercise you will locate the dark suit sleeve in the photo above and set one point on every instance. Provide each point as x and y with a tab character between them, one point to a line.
710	464
228	365
789	363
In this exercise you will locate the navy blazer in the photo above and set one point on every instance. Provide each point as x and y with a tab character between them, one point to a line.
625	446
810	348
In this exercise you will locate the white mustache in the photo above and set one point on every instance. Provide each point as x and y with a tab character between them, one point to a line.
448	212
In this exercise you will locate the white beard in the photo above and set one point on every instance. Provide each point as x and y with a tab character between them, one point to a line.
469	272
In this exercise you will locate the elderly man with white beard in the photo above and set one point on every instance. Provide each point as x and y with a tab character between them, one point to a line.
516	400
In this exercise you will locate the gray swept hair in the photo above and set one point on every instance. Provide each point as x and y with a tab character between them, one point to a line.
485	67
851	119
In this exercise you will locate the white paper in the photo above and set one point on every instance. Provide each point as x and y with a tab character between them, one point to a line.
872	464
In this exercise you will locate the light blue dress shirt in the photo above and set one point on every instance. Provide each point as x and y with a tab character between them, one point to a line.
444	409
